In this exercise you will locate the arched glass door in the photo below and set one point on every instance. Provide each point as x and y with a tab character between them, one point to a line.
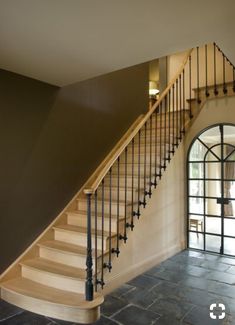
211	190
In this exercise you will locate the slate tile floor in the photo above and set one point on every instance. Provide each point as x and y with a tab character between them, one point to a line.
178	291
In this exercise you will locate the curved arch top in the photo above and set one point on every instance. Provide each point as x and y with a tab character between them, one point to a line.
211	190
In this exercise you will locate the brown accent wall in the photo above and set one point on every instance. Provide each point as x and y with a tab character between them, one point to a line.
51	140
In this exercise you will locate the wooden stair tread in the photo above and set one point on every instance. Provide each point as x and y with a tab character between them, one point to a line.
65	247
83	214
106	200
25	287
83	230
48	266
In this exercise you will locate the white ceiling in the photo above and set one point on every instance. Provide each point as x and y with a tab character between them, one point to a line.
64	41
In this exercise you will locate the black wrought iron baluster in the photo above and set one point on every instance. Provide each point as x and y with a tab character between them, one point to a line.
215	82
169	126
125	198
184	103
180	107
177	112
198	78
138	205
233	79
155	153
224	76
190	87
165	127
173	123
149	192
108	265
117	250
89	263
160	144
101	282
145	165
206	72
96	253
131	225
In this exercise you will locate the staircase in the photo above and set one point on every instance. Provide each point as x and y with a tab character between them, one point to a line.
62	273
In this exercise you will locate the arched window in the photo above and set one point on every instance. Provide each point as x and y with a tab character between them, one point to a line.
211	190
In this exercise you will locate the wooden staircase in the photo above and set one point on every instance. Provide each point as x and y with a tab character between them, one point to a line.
49	278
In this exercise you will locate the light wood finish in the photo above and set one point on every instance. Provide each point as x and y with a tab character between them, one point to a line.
55	275
51	302
91	187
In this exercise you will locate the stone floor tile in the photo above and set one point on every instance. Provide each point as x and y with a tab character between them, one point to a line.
8	310
112	305
143	281
221	277
171	307
133	315
216	266
122	290
26	318
105	321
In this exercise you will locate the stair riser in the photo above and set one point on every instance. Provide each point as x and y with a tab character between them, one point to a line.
155	139
79	239
136	159
82	222
63	257
135	169
129	181
68	259
114	194
83	207
53	280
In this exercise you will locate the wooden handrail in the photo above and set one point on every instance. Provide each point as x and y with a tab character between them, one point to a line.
125	141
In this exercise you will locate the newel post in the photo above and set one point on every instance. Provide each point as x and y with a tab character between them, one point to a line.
89	279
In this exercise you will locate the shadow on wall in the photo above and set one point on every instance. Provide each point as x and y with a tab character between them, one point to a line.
51	141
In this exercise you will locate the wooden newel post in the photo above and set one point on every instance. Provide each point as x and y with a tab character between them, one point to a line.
89	279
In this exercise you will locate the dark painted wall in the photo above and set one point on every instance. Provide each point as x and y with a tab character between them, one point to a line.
51	141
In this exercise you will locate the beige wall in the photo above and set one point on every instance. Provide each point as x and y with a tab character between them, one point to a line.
159	233
161	230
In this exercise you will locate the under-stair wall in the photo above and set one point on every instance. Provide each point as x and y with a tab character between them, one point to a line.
159	233
51	141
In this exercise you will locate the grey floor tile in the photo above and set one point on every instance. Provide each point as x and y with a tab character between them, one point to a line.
112	305
144	281
122	290
171	276
192	260
221	277
227	260
26	318
60	322
133	315
216	266
231	270
141	297
105	321
154	270
168	320
170	307
8	310
221	289
194	282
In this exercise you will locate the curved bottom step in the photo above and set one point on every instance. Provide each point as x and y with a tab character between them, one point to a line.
51	302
